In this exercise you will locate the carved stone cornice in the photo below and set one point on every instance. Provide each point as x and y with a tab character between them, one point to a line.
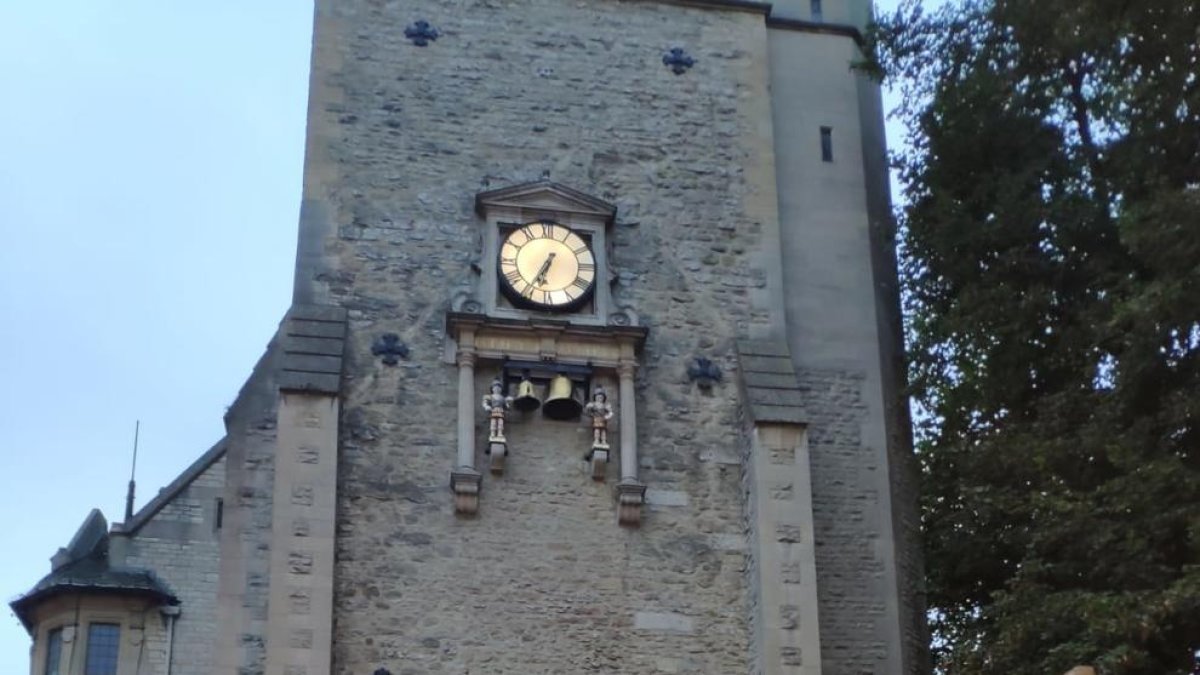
547	340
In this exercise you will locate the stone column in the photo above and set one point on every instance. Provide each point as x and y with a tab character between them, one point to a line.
629	468
466	409
465	480
631	494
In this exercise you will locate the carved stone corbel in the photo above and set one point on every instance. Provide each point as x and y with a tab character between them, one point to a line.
598	458
465	483
631	497
497	452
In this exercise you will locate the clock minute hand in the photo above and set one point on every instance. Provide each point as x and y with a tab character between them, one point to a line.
541	275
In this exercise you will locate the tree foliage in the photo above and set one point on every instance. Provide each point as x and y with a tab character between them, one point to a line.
1051	269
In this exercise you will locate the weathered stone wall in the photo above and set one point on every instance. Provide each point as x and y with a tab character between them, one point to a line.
181	543
543	581
245	574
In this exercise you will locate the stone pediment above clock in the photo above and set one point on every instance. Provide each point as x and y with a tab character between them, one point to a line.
542	198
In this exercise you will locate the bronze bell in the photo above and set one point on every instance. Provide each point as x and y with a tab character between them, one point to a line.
526	399
561	403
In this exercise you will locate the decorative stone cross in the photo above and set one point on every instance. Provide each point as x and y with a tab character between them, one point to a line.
390	348
421	33
678	60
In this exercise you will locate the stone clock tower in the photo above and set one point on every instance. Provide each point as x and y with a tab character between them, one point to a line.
592	366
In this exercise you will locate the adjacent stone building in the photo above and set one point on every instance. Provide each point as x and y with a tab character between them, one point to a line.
592	366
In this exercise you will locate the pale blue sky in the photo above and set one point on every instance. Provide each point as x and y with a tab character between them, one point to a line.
150	162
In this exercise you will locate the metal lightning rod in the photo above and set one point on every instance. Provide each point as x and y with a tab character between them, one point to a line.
133	470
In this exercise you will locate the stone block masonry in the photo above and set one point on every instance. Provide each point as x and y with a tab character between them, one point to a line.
181	543
543	580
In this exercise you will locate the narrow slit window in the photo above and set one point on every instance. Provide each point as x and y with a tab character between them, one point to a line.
815	8
218	513
826	144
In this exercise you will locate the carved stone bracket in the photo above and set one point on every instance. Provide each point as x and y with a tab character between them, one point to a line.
631	496
598	459
465	483
497	452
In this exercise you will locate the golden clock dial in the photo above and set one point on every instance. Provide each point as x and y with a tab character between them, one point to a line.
546	265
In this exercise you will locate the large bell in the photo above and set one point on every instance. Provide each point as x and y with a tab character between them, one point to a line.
526	399
561	403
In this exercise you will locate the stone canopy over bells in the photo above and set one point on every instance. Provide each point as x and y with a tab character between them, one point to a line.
546	366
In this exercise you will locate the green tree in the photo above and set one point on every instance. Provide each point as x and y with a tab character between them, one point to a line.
1050	259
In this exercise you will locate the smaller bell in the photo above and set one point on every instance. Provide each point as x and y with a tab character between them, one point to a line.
526	399
561	403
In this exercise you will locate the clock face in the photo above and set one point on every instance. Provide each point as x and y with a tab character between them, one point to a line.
546	266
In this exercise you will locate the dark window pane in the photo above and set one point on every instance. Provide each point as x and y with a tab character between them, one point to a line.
826	144
53	651
104	641
816	9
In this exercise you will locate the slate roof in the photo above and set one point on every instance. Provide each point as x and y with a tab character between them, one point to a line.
83	567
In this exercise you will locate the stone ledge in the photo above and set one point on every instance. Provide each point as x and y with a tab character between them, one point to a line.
313	344
768	382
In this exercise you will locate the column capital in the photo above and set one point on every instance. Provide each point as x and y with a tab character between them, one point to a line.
626	369
466	357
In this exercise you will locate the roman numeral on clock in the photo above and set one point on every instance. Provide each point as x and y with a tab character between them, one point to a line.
581	283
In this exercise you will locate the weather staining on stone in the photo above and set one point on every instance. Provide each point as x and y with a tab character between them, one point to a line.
421	33
678	60
390	348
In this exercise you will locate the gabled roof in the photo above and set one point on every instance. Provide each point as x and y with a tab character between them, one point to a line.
546	195
83	567
171	491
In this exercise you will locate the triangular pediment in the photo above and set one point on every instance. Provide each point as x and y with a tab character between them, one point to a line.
545	195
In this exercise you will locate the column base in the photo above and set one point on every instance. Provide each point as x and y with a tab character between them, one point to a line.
631	496
465	483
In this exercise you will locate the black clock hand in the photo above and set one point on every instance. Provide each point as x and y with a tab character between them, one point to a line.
541	275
